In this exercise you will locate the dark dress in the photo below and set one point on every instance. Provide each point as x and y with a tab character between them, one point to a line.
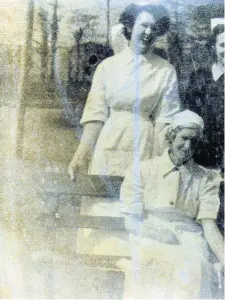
206	97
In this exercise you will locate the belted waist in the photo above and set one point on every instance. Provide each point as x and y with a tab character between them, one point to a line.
143	116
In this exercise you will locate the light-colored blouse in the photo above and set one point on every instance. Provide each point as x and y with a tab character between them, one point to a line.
158	183
129	94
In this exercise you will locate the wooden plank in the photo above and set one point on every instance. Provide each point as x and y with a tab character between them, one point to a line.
103	223
100	206
90	185
93	185
75	220
102	261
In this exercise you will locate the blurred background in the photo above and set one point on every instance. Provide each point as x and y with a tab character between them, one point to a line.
49	50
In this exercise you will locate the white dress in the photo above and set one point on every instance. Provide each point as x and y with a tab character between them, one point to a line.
130	94
174	200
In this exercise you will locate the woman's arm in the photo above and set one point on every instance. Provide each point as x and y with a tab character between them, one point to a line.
159	138
214	238
82	156
131	197
168	107
94	116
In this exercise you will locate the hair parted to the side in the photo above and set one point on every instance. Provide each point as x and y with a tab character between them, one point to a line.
131	12
218	29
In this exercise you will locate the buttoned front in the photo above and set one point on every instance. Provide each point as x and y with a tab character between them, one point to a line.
161	203
157	183
129	94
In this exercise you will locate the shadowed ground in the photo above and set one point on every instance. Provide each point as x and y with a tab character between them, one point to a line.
37	233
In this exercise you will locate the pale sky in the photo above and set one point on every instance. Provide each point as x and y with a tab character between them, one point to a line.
101	3
78	3
12	12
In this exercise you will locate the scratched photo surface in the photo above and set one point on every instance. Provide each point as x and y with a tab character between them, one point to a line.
112	149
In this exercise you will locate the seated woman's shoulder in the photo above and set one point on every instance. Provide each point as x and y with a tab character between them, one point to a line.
210	173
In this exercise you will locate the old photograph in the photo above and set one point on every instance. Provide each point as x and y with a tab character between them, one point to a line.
112	149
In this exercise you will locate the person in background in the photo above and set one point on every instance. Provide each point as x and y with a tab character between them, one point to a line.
205	96
170	205
133	96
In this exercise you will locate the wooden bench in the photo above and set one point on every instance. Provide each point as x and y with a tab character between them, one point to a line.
58	187
91	187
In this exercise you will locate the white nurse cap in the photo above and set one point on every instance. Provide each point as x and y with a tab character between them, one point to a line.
217	21
187	119
118	40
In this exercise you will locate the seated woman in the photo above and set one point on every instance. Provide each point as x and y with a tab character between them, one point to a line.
171	204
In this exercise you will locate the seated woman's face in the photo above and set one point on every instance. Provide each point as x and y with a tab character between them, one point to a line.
185	143
143	34
220	48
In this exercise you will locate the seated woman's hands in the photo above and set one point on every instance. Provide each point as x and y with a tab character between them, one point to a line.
135	224
162	235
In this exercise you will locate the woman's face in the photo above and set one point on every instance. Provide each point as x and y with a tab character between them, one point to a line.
143	34
220	48
184	144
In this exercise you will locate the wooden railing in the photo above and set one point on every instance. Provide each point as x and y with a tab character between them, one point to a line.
59	187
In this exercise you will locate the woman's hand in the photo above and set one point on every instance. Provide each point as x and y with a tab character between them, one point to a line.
82	156
214	238
79	163
161	235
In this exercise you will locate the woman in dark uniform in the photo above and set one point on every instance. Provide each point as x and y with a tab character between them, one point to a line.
205	96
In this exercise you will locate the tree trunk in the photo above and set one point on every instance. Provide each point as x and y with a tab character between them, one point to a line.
43	15
24	79
54	32
108	22
78	36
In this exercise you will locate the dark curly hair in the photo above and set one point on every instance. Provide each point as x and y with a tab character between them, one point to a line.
218	29
131	12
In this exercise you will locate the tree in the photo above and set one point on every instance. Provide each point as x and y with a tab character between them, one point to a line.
199	30
24	79
43	45
54	38
83	26
108	22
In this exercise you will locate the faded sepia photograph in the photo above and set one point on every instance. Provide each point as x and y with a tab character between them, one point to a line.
112	149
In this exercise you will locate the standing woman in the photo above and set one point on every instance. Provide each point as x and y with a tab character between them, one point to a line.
205	96
133	96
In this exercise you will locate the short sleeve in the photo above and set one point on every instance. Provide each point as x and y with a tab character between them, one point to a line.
95	107
170	104
209	196
131	193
